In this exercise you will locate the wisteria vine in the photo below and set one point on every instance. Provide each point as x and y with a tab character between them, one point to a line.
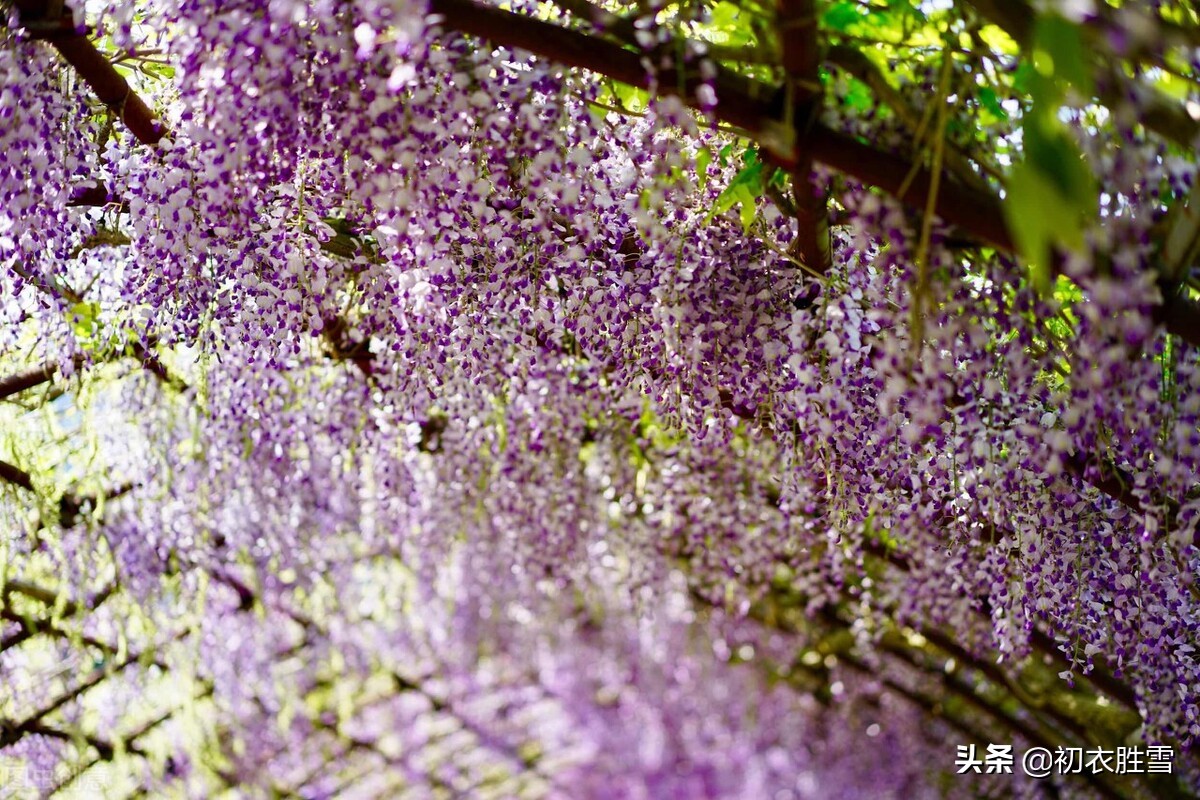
395	405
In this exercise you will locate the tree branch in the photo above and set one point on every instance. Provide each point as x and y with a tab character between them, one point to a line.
23	381
16	476
12	732
111	89
745	104
801	58
855	63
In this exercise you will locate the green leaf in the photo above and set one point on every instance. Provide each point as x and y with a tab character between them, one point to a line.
1052	191
1040	217
1066	291
750	177
841	16
744	189
1023	77
748	210
631	97
723	16
84	315
989	100
704	157
858	96
159	71
906	8
728	25
1056	156
1062	42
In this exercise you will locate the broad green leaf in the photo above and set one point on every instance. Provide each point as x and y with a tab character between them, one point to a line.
744	189
728	25
631	97
1023	77
84	316
998	39
723	16
1040	217
841	16
1061	41
906	9
1066	291
1056	156
1174	86
858	96
748	180
989	100
748	210
704	157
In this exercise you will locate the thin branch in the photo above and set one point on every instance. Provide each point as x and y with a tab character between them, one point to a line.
743	102
69	505
854	62
128	742
46	597
105	748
